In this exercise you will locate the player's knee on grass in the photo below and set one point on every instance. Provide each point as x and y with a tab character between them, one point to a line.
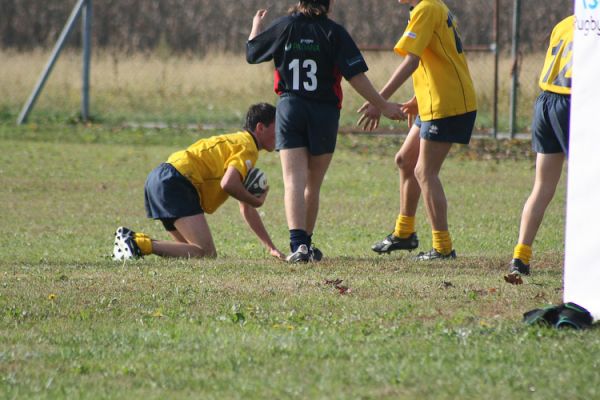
200	252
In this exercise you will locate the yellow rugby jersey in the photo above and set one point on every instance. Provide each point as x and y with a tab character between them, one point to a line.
204	163
558	66
442	82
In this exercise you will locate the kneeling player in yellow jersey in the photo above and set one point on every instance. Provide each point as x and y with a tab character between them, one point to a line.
549	139
446	105
198	180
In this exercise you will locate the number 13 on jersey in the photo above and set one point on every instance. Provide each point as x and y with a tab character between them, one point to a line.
308	72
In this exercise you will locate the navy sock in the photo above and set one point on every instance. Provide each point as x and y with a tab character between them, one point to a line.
297	237
309	239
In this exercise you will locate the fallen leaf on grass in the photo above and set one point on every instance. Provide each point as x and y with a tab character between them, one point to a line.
513	279
336	283
344	289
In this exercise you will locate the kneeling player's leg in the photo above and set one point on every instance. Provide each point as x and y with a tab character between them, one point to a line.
178	237
193	239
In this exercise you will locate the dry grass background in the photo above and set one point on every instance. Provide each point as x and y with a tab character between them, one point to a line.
216	89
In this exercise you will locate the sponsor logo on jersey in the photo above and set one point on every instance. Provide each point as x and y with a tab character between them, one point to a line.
303	45
411	35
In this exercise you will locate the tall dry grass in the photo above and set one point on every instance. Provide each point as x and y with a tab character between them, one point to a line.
216	89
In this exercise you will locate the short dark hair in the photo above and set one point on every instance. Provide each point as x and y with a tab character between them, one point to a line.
261	112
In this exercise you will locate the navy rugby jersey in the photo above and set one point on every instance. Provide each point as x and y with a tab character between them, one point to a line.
311	55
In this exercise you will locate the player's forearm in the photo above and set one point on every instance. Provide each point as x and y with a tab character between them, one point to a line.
252	218
401	75
233	186
363	86
254	32
241	194
257	23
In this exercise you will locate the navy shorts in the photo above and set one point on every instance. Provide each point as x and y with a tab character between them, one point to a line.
304	123
170	195
550	126
455	129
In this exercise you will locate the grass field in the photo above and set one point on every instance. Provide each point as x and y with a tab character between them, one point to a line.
215	89
74	324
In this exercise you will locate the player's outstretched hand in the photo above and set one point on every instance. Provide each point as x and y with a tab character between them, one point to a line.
411	110
393	111
276	253
369	119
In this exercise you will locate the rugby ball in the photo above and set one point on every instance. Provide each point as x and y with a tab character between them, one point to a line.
256	182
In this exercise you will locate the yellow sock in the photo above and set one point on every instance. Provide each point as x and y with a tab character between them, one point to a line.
523	252
144	243
442	242
405	226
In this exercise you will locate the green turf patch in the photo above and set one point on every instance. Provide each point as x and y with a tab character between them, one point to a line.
74	324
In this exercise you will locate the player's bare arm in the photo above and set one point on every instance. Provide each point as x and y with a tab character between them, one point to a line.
363	86
258	23
371	112
254	221
233	185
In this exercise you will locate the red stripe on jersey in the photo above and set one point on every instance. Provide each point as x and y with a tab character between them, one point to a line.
337	86
276	81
